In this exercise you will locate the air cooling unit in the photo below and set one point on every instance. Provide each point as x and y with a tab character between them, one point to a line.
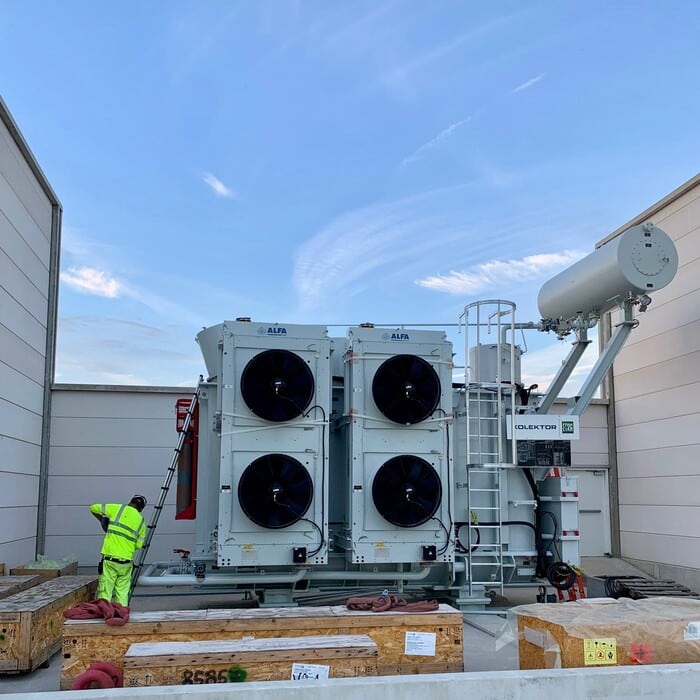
273	387
398	407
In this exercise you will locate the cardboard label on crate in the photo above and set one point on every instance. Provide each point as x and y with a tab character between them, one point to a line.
420	644
599	652
309	672
691	633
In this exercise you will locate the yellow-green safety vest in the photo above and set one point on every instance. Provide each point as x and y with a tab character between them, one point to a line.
126	531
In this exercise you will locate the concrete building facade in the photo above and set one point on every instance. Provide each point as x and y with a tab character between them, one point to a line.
656	416
30	230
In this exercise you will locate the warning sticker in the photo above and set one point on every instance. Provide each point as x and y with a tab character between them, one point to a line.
597	652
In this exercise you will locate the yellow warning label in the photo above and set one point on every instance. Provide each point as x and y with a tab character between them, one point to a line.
598	652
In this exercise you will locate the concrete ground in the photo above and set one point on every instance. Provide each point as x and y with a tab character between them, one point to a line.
482	650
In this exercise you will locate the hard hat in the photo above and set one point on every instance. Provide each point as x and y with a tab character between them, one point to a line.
139	501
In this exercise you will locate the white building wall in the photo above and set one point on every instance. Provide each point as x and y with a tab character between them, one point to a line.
27	213
656	384
107	444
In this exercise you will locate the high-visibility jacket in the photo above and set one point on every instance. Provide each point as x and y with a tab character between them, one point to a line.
126	531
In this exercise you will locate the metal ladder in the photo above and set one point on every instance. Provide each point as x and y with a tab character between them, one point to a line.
486	403
158	507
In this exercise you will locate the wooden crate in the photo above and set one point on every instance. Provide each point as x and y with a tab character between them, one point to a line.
186	663
69	569
31	621
9	585
604	632
87	641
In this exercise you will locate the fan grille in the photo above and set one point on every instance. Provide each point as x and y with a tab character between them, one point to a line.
406	491
275	491
277	385
406	389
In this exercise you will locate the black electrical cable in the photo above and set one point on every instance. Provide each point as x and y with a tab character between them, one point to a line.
323	476
449	484
460	524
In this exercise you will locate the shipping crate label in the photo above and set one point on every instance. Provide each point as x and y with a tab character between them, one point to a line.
598	652
691	633
420	644
309	672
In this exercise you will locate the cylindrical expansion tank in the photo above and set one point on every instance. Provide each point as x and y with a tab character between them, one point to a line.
638	261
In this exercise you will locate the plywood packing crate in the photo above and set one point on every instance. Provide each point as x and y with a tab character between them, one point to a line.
434	639
606	632
68	569
186	663
9	585
31	621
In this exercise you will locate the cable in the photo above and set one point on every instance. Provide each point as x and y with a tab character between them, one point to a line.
447	536
449	481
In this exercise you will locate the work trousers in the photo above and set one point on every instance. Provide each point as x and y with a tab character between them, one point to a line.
114	583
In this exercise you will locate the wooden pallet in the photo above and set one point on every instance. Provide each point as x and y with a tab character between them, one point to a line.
87	641
600	632
31	621
187	663
9	585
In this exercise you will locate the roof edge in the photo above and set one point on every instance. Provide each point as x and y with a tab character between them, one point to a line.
653	209
9	122
128	388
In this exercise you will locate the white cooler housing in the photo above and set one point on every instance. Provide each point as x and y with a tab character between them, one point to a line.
301	441
373	440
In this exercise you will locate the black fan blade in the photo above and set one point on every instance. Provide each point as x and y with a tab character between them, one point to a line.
406	389
275	491
406	491
277	385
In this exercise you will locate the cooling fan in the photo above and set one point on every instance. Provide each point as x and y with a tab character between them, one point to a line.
275	491
277	385
406	491
406	389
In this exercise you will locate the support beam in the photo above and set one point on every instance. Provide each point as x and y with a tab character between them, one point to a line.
567	367
604	362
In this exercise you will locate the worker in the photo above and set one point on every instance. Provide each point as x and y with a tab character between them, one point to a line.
125	533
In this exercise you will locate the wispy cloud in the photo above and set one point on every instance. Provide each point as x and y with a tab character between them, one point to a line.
358	243
496	272
528	83
444	134
218	187
399	73
89	280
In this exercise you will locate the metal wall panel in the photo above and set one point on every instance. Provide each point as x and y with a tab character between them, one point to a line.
680	460
24	184
665	403
673	550
656	379
669	374
25	248
109	445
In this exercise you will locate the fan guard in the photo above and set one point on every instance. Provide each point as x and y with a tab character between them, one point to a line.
406	389
406	491
275	491
277	385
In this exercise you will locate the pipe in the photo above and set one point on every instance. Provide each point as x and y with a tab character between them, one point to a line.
369	575
218	579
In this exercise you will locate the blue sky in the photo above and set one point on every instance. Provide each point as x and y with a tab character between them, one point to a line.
336	162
